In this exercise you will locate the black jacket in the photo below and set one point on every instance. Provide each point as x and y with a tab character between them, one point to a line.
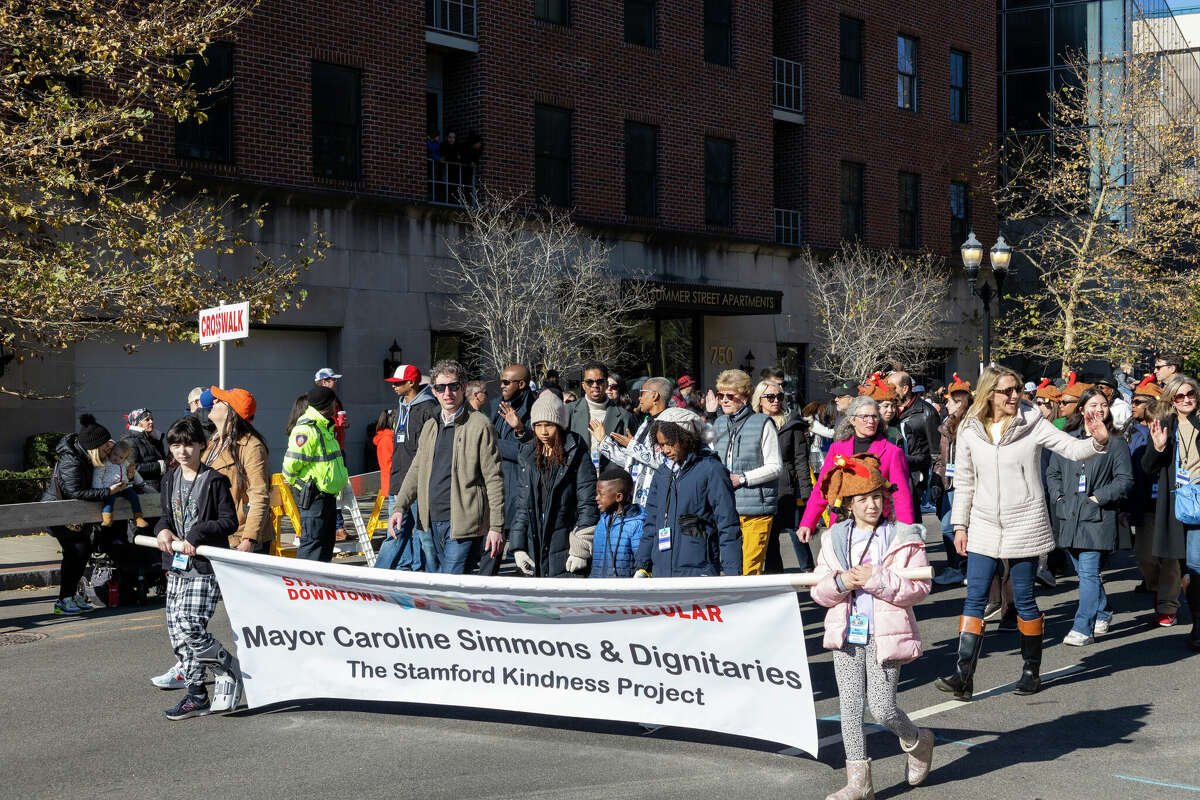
148	455
793	451
216	516
509	445
1108	477
544	532
409	422
1170	537
919	424
73	473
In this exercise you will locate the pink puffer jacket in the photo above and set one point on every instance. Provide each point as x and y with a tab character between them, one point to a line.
895	625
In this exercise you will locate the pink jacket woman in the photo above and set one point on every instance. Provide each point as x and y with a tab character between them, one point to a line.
892	465
895	625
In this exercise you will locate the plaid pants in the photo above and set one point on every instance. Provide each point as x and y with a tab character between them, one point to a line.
191	603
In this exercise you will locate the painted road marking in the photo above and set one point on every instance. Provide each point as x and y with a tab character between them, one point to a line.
1159	783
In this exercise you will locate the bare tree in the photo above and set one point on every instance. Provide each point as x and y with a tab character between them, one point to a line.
1109	216
872	307
535	290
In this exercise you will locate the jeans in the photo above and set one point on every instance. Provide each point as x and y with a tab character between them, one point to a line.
317	528
953	559
129	494
455	556
1093	601
402	551
980	571
1192	554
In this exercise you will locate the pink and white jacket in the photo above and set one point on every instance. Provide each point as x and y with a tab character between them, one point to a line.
894	625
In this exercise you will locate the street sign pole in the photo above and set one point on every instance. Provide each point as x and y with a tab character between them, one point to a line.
221	359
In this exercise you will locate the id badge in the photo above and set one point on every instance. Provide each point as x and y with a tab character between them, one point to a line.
1082	489
664	538
400	438
180	561
596	461
1182	477
859	628
949	470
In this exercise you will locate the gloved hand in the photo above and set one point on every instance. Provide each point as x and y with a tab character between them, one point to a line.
641	573
524	562
576	564
936	492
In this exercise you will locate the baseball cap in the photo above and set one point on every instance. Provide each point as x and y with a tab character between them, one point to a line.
919	389
685	381
404	372
239	400
325	373
843	390
1030	386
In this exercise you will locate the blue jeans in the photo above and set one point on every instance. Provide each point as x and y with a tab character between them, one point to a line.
1093	601
402	551
454	556
953	559
128	494
981	570
1192	553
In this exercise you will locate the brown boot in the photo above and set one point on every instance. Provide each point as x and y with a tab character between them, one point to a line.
920	756
140	521
106	518
858	783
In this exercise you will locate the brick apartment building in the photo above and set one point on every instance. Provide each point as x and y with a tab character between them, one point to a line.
704	139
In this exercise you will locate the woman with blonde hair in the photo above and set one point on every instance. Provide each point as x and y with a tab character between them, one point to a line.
795	482
1174	453
1000	513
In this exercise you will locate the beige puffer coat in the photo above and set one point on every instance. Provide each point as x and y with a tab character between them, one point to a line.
998	492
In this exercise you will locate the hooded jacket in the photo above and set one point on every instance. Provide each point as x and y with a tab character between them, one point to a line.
615	543
216	519
410	419
73	473
1107	477
894	624
543	531
696	503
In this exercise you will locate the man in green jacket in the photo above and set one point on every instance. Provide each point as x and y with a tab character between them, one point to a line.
314	468
455	479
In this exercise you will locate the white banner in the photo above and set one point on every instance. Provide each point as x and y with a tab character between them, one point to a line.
721	654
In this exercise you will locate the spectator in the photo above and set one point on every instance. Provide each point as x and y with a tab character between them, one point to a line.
477	396
687	388
407	547
941	486
433	146
384	443
119	468
449	148
204	404
239	452
456	479
795	481
471	148
1046	398
510	417
918	425
1121	411
843	395
146	444
1068	399
329	379
569	396
1167	366
748	445
616	393
821	424
314	468
555	494
618	533
691	524
595	409
638	454
298	409
1160	576
193	399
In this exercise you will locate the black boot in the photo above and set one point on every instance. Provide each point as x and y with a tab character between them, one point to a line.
1031	652
1193	599
970	644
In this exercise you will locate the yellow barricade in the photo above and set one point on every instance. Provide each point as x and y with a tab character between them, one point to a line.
282	502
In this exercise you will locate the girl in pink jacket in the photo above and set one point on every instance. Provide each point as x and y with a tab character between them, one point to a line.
870	626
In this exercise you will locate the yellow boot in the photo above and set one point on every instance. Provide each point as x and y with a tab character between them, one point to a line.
106	518
140	521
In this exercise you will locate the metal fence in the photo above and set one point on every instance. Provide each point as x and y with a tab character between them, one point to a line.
789	85
451	16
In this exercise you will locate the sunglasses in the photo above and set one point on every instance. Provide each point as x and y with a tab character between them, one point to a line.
594	381
443	388
866	417
1010	391
728	396
1160	366
1044	402
504	382
1190	395
771	398
1137	401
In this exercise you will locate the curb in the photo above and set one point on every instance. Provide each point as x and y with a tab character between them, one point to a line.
37	575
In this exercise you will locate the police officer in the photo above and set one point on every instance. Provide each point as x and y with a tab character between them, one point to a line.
314	468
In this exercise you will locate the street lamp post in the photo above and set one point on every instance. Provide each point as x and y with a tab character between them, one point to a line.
999	257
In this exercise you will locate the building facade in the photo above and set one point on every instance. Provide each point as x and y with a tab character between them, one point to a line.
706	140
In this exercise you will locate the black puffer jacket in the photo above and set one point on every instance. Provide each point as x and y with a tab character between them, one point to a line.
544	532
793	451
73	473
148	455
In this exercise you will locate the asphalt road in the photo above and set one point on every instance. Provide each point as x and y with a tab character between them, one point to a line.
80	719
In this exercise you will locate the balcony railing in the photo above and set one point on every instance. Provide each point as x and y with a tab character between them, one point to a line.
789	85
787	226
451	183
451	16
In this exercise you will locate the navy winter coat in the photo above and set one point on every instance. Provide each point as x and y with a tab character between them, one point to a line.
509	445
1108	477
697	504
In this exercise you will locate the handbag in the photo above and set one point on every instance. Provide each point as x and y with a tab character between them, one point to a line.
1187	498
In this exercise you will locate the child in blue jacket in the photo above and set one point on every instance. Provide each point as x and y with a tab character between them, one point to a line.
615	543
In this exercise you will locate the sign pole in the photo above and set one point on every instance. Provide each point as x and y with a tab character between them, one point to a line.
221	359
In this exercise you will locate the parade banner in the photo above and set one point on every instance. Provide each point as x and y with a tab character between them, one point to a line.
720	654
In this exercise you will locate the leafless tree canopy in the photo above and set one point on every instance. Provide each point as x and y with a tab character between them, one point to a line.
535	290
873	307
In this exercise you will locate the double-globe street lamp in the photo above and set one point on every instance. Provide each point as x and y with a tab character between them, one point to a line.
1000	256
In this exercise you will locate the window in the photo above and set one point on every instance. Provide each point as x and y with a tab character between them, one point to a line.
906	73
639	22
1027	101
211	140
853	214
1027	40
958	86
960	215
718	32
552	154
910	210
641	170
718	182
852	56
336	121
555	11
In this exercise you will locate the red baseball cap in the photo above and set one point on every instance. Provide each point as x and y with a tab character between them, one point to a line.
685	381
405	372
239	400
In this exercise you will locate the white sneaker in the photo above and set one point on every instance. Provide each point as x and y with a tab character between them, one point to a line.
227	693
1101	627
171	679
948	576
1077	639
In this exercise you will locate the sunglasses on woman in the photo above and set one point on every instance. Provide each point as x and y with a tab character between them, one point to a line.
771	398
1188	395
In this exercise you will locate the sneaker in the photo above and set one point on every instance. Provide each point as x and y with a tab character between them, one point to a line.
1046	578
1165	620
1077	639
83	605
190	706
66	607
948	576
1101	627
171	679
227	692
991	611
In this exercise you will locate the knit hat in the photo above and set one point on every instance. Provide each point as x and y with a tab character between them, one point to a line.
850	476
136	416
239	400
1148	388
321	397
548	408
958	385
92	435
684	418
1047	390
